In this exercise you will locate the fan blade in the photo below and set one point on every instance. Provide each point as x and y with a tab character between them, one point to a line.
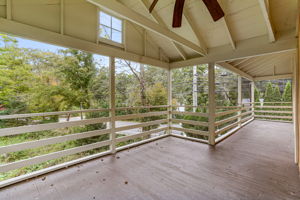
214	9
153	5
177	14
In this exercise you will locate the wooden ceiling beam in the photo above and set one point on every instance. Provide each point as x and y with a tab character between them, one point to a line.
252	47
180	50
228	32
124	12
158	19
265	8
195	30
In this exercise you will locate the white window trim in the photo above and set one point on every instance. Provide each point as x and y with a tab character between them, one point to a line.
107	41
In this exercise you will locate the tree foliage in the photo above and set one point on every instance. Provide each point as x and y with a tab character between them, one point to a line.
287	93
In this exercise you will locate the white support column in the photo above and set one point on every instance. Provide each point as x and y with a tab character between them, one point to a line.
252	96
239	99
212	103
195	89
169	101
112	103
295	95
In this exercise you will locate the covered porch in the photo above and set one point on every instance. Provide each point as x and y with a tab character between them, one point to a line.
245	150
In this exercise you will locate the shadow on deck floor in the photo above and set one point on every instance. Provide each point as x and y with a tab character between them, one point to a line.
254	163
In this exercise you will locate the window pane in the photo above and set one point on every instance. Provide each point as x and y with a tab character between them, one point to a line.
105	32
116	24
116	36
105	19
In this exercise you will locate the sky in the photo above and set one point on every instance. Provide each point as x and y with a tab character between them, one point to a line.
24	43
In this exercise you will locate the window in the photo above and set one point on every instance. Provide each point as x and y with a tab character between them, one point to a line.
110	28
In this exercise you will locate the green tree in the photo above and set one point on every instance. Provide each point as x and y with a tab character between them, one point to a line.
78	70
276	94
287	93
269	93
256	95
157	94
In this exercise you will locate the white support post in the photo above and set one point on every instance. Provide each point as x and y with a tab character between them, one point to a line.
295	95
240	100
252	97
112	103
212	103
169	101
195	89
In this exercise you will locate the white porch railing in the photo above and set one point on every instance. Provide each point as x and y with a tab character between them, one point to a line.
154	122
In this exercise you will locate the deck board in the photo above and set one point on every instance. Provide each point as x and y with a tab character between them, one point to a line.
254	163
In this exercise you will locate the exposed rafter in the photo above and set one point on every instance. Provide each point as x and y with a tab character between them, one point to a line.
264	6
158	19
195	30
228	32
246	48
126	13
180	51
235	70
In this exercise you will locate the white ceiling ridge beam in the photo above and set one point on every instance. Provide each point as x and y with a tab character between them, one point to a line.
124	12
252	47
275	77
235	70
196	32
228	32
158	19
42	35
264	6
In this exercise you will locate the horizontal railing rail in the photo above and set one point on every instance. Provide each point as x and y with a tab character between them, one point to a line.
274	111
150	124
231	118
17	116
132	126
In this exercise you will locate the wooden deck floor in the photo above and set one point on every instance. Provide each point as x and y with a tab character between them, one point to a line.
255	163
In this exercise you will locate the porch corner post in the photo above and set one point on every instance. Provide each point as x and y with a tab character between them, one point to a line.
169	101
295	95
211	104
239	100
252	97
112	103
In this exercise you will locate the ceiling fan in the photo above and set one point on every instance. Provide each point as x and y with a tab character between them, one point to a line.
213	7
